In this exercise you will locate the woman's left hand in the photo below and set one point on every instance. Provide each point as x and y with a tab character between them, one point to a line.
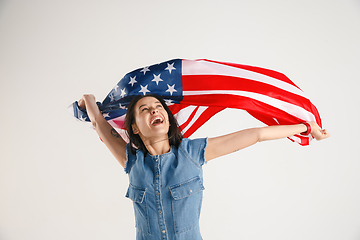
317	132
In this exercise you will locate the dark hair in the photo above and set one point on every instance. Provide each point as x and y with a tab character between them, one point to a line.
174	132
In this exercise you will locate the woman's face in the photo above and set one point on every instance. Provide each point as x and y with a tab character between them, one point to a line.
151	119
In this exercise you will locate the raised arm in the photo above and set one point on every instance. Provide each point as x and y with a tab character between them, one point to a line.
233	142
106	132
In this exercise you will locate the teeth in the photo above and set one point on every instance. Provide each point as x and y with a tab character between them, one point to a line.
155	119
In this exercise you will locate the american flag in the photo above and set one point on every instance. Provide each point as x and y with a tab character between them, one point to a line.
195	90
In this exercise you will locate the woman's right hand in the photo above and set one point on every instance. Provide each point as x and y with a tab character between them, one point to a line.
81	104
89	97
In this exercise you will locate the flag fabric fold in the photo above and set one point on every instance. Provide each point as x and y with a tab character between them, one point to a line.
195	90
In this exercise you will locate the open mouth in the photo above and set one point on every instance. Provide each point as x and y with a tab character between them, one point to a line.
156	120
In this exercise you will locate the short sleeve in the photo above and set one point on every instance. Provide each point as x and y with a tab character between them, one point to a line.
195	149
130	159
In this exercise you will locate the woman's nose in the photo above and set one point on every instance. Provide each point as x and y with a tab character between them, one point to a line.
153	111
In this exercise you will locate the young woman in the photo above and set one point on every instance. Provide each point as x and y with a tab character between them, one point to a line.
165	170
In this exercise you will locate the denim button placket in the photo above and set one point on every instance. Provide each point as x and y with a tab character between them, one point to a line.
157	186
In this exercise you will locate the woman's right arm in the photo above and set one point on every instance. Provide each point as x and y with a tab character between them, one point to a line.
106	132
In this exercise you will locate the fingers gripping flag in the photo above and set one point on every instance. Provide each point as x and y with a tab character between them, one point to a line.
195	90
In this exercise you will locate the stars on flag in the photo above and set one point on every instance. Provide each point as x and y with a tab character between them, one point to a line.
145	69
132	81
144	90
112	98
171	89
116	87
162	79
160	75
157	79
81	118
123	93
168	101
170	67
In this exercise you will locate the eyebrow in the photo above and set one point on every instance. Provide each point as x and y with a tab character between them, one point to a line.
146	104
142	106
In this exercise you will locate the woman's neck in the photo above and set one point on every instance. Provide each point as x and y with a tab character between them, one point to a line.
157	146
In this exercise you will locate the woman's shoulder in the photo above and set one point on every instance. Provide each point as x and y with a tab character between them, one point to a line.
131	157
194	149
187	142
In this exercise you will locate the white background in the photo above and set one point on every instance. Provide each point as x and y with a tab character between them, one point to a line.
58	180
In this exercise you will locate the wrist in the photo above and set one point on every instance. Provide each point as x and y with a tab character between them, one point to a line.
308	129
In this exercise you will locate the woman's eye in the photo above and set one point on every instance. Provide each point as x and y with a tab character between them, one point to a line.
159	106
144	109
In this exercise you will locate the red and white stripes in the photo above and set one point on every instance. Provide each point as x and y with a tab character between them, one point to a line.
267	95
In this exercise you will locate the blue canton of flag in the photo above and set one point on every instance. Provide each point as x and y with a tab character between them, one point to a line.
162	79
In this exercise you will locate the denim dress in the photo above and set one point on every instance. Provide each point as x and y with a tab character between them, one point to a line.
166	191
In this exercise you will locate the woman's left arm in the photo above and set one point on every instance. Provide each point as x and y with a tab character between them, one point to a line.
233	142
